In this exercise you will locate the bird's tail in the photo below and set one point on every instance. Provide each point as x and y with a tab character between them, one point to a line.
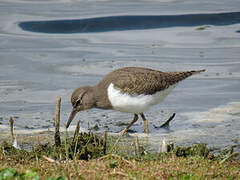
198	71
175	77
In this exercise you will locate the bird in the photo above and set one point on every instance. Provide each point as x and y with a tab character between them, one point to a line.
128	89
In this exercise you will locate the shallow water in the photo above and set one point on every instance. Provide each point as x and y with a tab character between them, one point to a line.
36	67
125	23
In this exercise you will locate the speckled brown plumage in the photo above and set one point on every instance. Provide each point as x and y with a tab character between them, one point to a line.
138	80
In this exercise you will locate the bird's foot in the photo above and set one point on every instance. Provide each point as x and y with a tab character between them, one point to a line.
166	125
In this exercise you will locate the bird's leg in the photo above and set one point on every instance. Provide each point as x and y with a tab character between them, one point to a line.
130	124
124	131
145	123
166	124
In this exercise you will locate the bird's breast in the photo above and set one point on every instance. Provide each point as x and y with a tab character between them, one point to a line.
135	103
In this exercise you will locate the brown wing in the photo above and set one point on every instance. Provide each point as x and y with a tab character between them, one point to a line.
136	80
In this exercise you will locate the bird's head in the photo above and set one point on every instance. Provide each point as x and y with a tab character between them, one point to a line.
82	99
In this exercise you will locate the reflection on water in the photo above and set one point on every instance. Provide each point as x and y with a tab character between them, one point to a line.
121	23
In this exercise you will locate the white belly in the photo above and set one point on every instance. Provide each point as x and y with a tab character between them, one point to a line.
135	103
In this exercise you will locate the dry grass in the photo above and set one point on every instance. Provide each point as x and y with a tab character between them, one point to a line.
166	167
193	162
62	161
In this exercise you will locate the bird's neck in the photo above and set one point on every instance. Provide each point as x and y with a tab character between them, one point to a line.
101	98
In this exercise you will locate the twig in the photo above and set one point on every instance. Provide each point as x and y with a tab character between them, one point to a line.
228	157
48	159
105	142
166	124
11	128
76	133
137	149
57	123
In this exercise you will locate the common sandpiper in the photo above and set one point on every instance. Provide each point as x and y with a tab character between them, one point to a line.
129	89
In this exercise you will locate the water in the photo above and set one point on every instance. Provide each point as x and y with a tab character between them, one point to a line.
37	67
125	23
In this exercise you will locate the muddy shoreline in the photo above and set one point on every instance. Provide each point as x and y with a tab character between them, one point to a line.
36	68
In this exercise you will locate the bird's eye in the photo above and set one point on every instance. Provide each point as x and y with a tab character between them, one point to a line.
78	102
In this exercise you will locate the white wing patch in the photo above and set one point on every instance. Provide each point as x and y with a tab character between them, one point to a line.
135	103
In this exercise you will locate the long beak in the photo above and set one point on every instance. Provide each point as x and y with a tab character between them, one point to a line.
71	117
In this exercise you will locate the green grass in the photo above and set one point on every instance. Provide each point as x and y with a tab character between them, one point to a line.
169	167
186	163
